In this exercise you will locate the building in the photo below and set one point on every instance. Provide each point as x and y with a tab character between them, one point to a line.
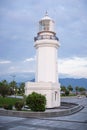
46	76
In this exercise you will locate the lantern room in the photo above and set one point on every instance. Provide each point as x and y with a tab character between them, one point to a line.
46	24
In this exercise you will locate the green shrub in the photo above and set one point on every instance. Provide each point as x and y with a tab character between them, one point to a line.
7	106
36	102
19	105
63	94
10	107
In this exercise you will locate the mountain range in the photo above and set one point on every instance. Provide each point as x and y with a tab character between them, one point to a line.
82	82
24	77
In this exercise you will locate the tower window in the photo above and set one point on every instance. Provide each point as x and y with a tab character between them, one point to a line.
55	95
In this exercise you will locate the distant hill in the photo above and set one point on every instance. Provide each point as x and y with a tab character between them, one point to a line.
24	77
82	82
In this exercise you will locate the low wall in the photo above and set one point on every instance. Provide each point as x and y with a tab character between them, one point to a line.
45	114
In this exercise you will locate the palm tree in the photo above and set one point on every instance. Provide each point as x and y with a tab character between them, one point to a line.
4	88
70	88
82	90
63	88
22	85
13	86
77	89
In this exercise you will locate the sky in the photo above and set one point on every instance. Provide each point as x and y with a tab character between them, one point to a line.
19	25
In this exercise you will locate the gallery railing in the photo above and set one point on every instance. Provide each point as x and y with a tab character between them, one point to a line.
40	37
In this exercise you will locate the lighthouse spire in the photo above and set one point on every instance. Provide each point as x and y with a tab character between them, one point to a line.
46	14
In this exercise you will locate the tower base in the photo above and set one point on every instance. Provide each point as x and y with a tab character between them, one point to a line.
48	89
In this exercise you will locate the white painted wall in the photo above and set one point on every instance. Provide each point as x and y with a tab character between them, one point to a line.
47	89
46	60
46	69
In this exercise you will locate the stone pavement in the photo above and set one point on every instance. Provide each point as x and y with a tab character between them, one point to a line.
77	121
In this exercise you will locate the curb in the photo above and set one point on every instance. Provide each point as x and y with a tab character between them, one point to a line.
48	114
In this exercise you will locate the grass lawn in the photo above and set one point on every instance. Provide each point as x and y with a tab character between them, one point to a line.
8	100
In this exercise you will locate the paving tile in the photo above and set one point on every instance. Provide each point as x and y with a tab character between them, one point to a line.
7	119
84	110
22	128
75	126
82	127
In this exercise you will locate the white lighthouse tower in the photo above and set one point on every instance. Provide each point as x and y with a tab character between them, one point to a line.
46	77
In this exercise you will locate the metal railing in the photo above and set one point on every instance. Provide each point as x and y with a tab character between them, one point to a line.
40	37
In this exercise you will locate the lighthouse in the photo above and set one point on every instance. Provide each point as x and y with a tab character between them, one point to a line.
46	44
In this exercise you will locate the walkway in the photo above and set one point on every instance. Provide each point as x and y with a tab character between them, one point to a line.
76	121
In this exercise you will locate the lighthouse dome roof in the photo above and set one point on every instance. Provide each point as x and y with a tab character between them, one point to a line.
46	17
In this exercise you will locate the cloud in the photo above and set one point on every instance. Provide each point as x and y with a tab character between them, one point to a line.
73	67
29	59
23	66
19	25
5	61
11	67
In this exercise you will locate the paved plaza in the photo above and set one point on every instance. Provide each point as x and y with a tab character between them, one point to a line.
77	121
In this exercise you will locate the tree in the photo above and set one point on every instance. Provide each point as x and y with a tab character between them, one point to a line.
21	89
13	84
11	91
70	88
77	89
63	88
82	90
4	82
4	89
67	92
